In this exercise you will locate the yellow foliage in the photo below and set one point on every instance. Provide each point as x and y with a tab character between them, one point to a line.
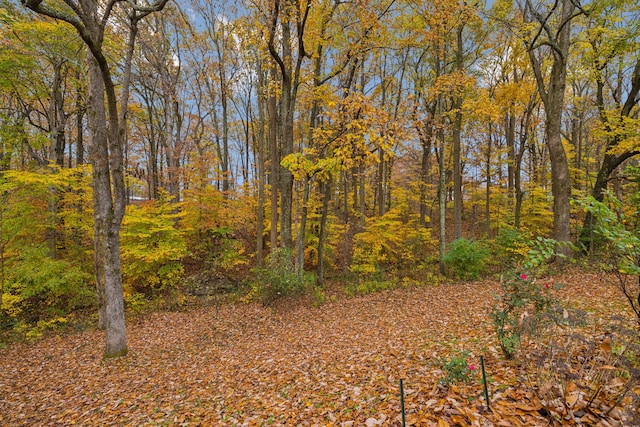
44	325
394	240
11	304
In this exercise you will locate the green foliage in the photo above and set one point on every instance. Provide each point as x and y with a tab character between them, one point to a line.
152	247
44	325
465	258
519	309
544	250
45	245
135	302
510	247
457	368
621	253
369	284
279	279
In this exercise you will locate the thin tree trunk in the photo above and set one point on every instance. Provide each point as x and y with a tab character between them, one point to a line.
457	147
442	200
487	208
323	227
274	162
299	259
261	167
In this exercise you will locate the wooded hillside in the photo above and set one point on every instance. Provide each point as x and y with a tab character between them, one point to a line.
150	152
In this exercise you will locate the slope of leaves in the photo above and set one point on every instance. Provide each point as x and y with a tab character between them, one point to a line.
244	364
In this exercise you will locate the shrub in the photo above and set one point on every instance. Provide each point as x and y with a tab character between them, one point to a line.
510	247
152	248
390	242
519	310
279	279
593	374
466	258
457	369
369	285
622	248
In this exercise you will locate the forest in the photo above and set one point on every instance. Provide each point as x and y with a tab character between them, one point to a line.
159	157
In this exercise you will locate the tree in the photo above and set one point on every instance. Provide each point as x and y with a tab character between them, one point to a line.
90	19
613	59
552	37
291	15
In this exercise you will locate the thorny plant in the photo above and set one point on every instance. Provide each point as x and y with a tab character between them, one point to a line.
457	369
579	374
519	310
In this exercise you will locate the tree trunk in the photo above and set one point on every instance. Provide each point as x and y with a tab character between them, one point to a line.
302	230
260	167
425	171
323	227
487	208
274	162
611	161
511	152
553	99
442	199
457	146
80	112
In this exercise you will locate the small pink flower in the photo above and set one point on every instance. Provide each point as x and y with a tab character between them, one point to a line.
471	367
524	276
546	285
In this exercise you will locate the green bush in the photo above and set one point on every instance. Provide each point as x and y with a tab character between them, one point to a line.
279	279
457	369
621	246
509	248
466	259
520	309
369	285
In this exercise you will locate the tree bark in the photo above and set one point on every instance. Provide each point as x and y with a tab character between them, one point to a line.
611	161
106	157
552	95
457	145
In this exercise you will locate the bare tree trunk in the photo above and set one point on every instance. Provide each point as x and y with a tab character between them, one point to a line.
274	162
442	199
457	146
57	118
80	112
552	95
260	167
107	155
487	208
323	227
611	161
299	258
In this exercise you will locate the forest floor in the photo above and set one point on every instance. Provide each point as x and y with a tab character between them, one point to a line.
335	365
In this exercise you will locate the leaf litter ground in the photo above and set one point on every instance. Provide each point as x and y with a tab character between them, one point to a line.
244	364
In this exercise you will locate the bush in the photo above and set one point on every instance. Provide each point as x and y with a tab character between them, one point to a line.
152	248
510	247
466	259
369	285
519	310
391	242
597	375
279	279
457	369
621	247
